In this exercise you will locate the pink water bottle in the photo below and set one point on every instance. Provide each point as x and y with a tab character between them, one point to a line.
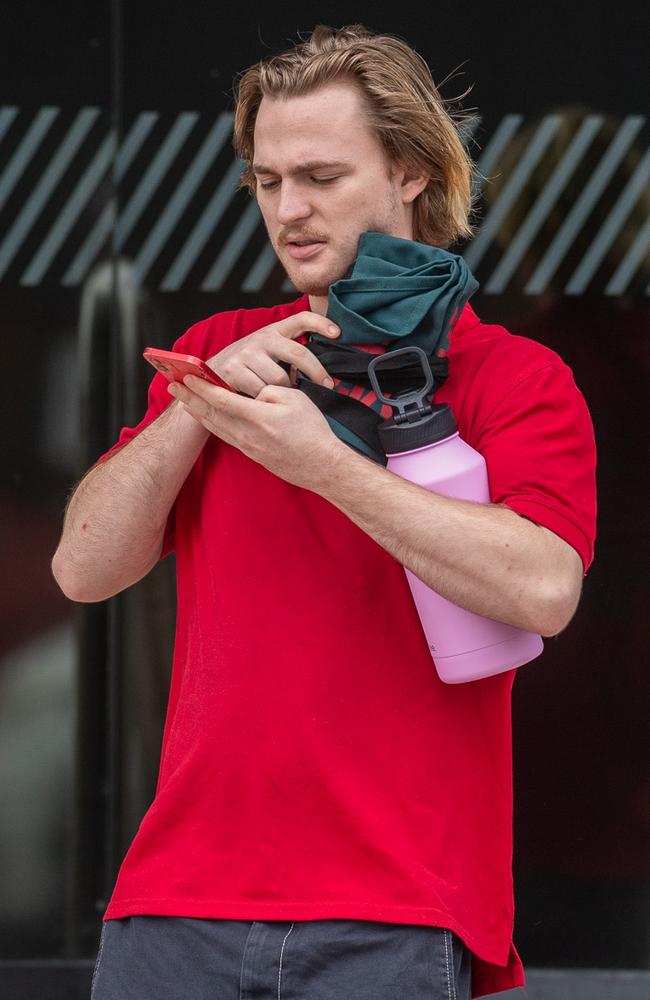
422	445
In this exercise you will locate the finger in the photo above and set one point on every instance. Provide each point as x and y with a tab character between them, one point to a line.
223	401
268	371
257	369
209	410
247	382
302	358
307	322
276	394
191	400
235	411
193	403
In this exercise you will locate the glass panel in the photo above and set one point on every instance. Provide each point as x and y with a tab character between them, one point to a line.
54	180
569	237
561	257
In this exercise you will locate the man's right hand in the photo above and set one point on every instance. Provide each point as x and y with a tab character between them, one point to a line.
252	362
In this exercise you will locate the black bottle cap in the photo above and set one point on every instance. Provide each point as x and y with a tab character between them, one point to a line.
417	422
439	423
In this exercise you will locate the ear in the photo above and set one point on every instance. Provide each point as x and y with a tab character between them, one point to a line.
410	182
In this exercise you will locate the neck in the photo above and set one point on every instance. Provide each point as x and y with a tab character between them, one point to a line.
318	304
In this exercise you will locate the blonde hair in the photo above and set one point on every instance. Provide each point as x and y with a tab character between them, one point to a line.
404	109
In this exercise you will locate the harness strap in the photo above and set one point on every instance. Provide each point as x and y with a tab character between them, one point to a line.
353	421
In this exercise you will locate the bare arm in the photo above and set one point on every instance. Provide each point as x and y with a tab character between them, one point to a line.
483	557
115	521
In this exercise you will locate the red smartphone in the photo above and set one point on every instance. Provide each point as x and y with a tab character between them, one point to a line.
176	366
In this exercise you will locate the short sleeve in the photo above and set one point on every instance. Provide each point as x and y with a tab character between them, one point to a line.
538	443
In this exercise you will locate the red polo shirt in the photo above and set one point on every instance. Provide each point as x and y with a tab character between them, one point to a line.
313	764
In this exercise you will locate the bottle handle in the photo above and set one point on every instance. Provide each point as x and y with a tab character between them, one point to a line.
411	405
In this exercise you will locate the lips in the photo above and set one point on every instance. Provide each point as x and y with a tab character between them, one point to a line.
301	251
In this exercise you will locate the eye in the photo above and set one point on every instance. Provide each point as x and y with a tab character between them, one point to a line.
267	185
324	180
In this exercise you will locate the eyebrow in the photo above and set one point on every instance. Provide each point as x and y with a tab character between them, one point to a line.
303	168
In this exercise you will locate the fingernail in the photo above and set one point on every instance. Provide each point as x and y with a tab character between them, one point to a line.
328	382
332	329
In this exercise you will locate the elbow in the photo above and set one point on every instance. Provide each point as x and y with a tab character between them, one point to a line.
69	583
60	574
98	580
555	609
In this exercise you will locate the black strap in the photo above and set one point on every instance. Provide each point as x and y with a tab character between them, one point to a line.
351	365
356	416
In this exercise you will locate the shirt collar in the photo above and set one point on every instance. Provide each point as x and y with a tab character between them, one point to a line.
466	321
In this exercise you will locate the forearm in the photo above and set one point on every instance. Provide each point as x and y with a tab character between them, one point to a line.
115	521
483	557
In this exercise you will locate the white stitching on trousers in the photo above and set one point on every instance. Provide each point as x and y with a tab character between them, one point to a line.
281	954
99	958
451	979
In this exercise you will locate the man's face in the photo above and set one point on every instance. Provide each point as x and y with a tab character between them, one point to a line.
323	178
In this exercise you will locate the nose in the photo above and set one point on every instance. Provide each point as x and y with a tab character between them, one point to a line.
293	204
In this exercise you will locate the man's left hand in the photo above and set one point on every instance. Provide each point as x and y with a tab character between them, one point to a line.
281	428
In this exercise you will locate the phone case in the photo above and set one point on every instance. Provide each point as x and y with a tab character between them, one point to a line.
176	366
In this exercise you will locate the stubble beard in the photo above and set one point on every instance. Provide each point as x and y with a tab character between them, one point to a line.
319	286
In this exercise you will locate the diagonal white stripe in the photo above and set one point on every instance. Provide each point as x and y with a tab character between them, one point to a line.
232	248
133	140
261	270
210	149
71	211
512	189
633	259
157	169
91	246
610	230
544	204
467	129
204	228
49	180
100	232
576	218
491	155
7	114
26	149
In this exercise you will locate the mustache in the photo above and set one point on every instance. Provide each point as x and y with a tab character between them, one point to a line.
303	236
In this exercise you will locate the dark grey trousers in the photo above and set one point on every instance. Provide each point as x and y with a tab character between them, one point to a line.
178	958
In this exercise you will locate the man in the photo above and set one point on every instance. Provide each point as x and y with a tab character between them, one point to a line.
331	821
